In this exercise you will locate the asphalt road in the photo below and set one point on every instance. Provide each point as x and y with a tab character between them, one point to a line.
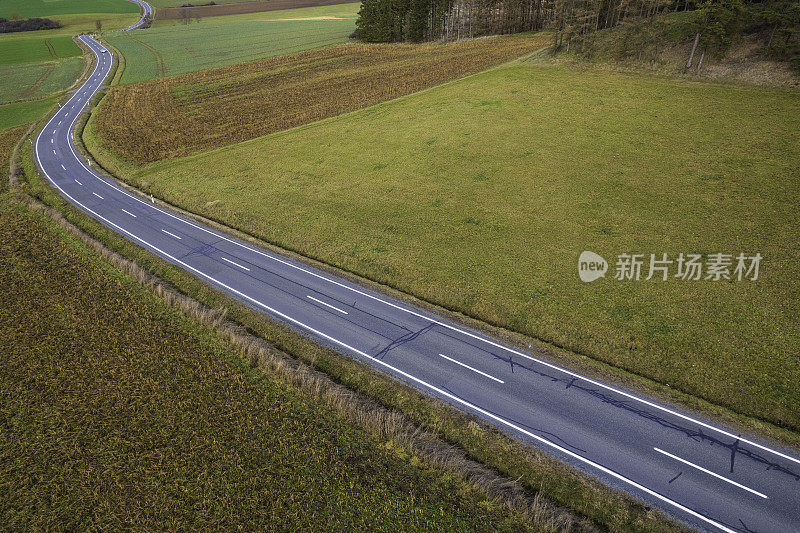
712	478
147	11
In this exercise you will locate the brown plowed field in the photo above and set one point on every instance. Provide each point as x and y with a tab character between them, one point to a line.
177	13
173	117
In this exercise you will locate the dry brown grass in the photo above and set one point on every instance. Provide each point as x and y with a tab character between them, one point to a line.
174	117
9	140
385	423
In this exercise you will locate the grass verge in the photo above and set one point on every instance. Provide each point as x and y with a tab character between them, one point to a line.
120	411
536	471
499	181
8	139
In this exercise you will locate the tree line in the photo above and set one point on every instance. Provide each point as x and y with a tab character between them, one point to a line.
713	24
32	24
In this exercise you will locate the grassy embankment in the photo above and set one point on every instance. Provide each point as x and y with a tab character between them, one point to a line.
663	44
120	411
479	196
279	93
172	50
8	138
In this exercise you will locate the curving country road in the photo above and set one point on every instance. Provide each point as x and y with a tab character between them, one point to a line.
699	472
147	12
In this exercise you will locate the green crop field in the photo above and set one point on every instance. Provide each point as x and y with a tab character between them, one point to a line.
39	63
499	181
349	10
49	8
168	51
39	66
23	112
37	49
117	411
36	80
77	23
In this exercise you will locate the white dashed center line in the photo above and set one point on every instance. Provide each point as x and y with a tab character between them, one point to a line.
171	234
128	213
710	473
327	305
98	196
470	368
236	264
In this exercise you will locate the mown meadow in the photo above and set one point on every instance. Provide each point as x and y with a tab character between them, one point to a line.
480	194
118	411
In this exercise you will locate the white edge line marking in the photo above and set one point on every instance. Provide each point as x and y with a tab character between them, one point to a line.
98	195
473	369
444	324
128	213
377	361
450	327
235	263
327	305
171	234
443	393
710	473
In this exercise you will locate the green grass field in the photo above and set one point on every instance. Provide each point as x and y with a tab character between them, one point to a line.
117	411
173	50
36	80
337	10
48	8
37	49
77	23
23	112
479	195
39	66
39	63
